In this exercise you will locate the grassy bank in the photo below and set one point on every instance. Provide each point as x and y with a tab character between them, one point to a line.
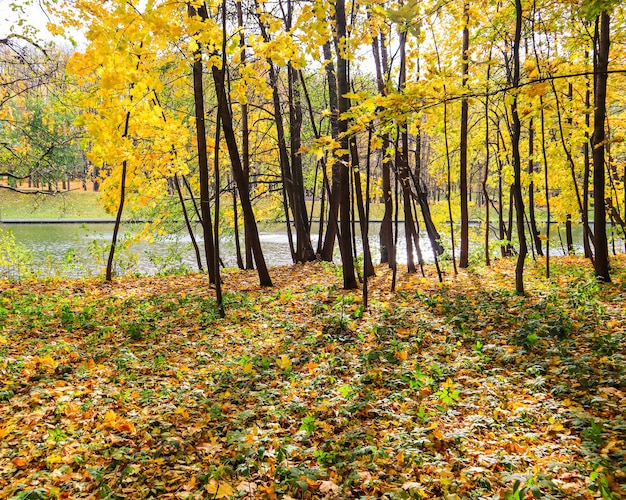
456	390
67	205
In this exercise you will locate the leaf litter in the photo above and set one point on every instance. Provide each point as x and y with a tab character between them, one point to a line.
137	389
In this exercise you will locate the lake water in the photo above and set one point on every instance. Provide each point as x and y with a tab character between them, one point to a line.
62	249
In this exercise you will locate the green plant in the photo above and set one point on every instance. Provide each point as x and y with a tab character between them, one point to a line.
448	394
308	424
15	259
416	380
599	483
593	434
57	434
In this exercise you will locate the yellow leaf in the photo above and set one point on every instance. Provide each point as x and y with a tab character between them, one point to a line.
284	363
110	419
219	490
53	459
182	412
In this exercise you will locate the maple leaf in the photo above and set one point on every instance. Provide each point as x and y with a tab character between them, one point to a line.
219	489
284	362
115	422
328	487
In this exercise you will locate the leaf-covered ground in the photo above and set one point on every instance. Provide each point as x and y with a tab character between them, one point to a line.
463	390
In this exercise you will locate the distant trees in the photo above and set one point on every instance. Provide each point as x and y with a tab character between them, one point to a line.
39	145
460	121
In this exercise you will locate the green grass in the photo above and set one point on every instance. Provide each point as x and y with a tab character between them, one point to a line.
72	205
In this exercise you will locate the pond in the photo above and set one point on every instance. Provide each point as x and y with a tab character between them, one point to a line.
76	250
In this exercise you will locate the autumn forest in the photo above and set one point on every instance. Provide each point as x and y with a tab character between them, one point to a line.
430	340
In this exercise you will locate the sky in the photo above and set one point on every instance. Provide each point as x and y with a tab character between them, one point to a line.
33	15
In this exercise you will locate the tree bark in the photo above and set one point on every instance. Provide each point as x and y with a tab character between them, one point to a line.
333	199
464	246
386	227
531	189
517	162
203	162
601	63
343	87
245	148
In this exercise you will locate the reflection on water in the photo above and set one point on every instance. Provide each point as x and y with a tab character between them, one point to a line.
82	249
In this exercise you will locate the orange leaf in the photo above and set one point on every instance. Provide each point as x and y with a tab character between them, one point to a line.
19	462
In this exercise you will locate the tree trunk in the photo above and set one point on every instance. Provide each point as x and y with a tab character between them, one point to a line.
487	160
402	166
517	162
464	248
245	147
216	175
587	239
386	229
333	199
194	243
601	63
368	267
531	189
343	87
546	187
305	252
203	164
569	238
238	173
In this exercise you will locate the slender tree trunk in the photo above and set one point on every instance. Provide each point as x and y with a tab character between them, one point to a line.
422	199
240	263
587	235
240	179
194	243
531	189
386	229
368	267
203	162
321	163
569	237
245	143
334	197
120	208
572	166
238	172
365	223
305	248
402	166
464	247
517	162
448	164
501	225
487	159
343	87
203	168
601	63
547	186
216	174
449	186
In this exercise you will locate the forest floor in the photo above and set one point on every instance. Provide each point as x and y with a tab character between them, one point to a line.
136	388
